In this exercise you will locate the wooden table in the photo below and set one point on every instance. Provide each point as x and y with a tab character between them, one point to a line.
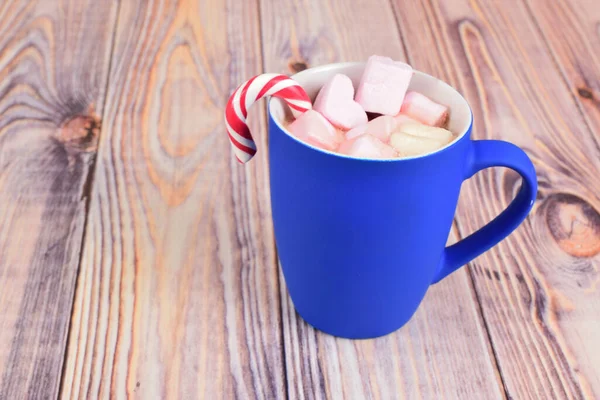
137	256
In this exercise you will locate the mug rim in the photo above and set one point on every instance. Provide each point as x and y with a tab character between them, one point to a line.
348	64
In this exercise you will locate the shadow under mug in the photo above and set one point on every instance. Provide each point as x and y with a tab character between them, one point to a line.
360	241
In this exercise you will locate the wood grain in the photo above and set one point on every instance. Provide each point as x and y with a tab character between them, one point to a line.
178	294
539	288
443	351
572	221
54	58
572	32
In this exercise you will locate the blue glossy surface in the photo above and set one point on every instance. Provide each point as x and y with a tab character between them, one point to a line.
360	241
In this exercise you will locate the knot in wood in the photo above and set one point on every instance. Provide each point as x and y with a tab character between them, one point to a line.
81	133
585	93
297	66
574	224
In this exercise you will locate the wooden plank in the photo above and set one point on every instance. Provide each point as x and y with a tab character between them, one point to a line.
575	47
178	295
572	32
539	288
443	351
54	58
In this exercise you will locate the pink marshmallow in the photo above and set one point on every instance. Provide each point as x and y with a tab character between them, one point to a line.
383	84
356	132
346	146
425	110
313	128
336	102
367	146
403	119
381	127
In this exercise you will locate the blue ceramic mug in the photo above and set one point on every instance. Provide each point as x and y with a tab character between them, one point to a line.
360	241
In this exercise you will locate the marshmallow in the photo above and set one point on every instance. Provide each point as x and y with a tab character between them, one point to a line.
402	119
383	85
442	135
367	146
313	128
346	146
409	145
336	102
425	110
381	127
356	132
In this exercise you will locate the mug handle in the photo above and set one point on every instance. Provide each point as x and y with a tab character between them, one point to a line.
485	154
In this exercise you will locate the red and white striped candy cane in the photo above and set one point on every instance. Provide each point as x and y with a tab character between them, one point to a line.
248	93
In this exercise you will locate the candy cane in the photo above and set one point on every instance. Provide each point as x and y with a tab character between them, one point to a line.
248	93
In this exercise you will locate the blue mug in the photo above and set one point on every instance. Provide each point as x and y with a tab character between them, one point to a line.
360	241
